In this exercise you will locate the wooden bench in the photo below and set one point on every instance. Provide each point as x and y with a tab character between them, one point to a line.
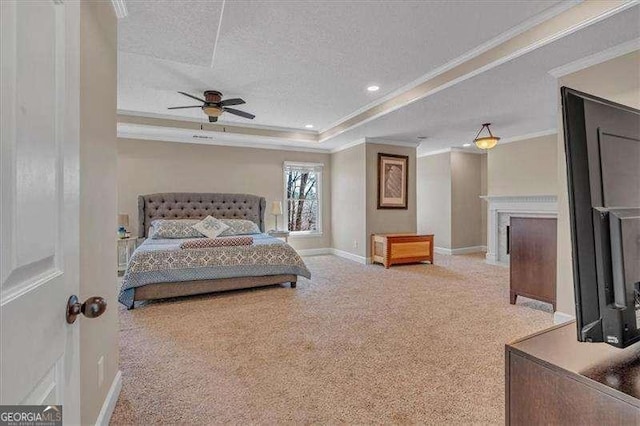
391	249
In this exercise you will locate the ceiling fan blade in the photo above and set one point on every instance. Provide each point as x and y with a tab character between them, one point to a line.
240	113
180	107
234	101
193	97
213	119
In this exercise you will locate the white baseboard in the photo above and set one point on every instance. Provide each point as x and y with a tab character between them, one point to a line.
462	250
496	263
314	252
350	256
561	317
336	252
110	401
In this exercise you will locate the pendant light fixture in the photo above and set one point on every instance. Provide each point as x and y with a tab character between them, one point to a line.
486	142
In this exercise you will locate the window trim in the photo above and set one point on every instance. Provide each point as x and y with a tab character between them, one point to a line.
317	168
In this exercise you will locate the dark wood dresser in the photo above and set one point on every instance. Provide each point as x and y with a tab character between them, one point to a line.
551	378
532	258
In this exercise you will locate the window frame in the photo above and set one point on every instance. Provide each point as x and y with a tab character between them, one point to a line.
318	168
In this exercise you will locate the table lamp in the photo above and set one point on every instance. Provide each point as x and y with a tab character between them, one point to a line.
276	209
123	223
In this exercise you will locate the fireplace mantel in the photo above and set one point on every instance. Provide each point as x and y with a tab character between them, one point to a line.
507	206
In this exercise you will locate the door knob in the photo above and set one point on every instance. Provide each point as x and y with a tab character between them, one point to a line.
91	308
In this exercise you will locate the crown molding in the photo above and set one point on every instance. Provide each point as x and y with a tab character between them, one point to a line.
120	8
469	150
152	133
130	113
383	141
348	145
597	58
375	141
472	150
218	129
533	135
501	38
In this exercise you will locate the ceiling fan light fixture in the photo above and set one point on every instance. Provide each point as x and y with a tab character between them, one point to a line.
212	110
486	142
214	106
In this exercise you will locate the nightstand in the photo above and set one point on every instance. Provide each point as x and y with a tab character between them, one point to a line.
126	246
280	234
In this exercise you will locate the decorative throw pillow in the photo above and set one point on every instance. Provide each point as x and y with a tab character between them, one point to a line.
242	240
211	227
239	227
175	228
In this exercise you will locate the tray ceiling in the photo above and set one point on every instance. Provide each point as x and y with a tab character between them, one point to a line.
305	62
296	62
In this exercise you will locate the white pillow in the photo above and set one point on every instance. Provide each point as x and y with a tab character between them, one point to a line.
210	227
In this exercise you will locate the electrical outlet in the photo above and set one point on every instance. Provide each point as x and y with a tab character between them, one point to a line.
355	244
100	371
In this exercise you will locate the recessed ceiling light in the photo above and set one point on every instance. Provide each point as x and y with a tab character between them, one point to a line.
309	126
373	88
467	145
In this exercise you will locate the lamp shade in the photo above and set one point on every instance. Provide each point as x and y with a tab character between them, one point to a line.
276	207
486	142
123	220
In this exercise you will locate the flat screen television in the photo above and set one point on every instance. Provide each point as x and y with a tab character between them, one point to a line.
602	143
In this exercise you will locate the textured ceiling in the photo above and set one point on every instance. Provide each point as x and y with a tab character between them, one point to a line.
518	97
296	62
183	31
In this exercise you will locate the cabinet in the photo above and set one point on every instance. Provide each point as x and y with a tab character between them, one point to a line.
532	248
552	379
390	249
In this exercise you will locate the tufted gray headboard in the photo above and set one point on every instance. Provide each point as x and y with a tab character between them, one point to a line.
187	205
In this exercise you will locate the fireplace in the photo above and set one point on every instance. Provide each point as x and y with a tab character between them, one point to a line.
500	210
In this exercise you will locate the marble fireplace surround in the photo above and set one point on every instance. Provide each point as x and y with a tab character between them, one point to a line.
500	208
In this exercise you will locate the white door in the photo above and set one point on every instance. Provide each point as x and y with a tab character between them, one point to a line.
39	203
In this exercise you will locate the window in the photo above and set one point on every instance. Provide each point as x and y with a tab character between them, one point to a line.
302	194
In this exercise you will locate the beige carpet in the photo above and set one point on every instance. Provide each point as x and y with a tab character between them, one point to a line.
356	344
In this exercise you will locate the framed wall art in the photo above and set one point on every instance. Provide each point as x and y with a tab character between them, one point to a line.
393	181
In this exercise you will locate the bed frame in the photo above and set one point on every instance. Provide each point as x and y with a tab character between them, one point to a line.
186	205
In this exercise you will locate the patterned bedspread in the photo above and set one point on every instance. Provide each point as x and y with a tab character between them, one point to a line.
159	260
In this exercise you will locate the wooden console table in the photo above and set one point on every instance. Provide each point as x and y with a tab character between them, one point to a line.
391	249
551	378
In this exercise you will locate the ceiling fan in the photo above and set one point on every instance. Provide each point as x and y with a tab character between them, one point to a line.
214	106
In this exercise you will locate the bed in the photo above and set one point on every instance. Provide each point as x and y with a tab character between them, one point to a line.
160	269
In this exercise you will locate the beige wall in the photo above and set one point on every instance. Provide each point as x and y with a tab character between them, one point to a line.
449	205
434	197
483	205
619	81
466	204
98	71
388	221
527	167
146	167
348	200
